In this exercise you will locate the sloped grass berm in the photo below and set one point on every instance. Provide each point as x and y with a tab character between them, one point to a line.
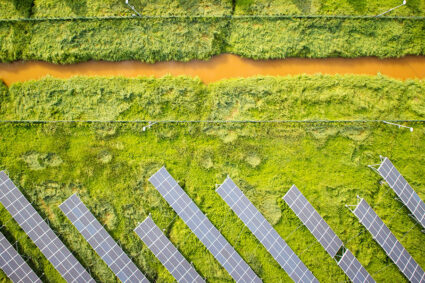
302	97
108	165
183	39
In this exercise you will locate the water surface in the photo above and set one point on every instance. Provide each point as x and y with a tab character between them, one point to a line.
218	68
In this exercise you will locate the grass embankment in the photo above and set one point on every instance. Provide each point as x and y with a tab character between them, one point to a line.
109	164
183	39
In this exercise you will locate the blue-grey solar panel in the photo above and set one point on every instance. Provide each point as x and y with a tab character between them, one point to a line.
166	252
14	265
264	232
403	190
313	221
353	268
392	247
40	233
101	241
225	254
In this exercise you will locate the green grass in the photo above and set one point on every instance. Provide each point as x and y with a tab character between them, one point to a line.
84	8
156	40
11	9
322	38
184	39
328	7
109	165
183	98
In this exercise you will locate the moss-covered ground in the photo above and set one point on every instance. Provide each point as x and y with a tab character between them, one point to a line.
108	164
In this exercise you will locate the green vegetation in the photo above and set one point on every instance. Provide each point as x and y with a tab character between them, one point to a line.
11	9
328	7
108	164
183	39
184	98
113	40
84	8
321	38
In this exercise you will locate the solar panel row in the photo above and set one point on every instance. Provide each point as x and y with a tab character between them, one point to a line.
392	247
353	268
166	252
14	265
313	221
403	190
225	254
264	232
101	241
40	233
324	234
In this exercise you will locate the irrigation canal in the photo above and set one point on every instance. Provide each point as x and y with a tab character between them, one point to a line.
219	67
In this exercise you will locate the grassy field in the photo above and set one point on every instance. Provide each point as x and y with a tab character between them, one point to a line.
184	39
108	164
55	8
327	7
156	40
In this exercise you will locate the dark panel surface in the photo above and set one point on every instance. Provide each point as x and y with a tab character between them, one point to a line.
101	241
40	233
392	247
264	232
166	252
220	248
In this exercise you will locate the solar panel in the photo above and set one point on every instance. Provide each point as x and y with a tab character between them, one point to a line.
403	190
313	221
353	268
166	252
225	254
14	265
392	247
264	232
101	241
40	233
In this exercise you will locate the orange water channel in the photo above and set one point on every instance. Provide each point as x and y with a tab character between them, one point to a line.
218	68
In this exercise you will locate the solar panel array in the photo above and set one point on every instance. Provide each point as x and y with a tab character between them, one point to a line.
14	265
101	241
313	221
40	233
166	252
353	268
393	248
264	232
225	254
403	190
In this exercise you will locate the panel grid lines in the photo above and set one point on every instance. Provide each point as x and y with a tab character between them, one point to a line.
353	268
403	190
40	233
313	221
220	248
99	239
13	265
166	252
392	247
264	232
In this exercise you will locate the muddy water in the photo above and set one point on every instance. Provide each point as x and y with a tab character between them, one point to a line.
218	68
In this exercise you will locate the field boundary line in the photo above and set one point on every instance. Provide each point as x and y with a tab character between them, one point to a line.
207	121
229	17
